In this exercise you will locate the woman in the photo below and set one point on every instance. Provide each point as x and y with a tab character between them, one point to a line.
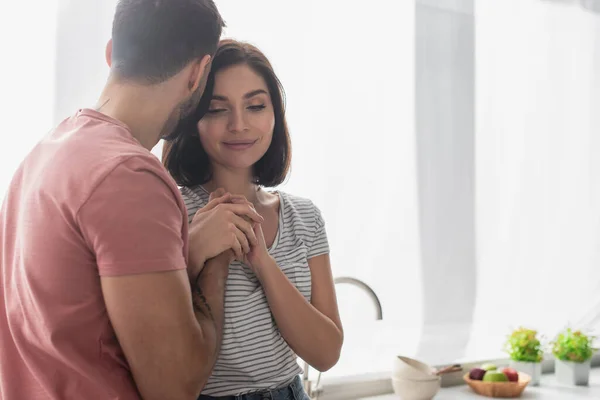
280	299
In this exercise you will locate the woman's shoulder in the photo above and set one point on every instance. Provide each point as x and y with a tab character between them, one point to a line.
301	211
297	202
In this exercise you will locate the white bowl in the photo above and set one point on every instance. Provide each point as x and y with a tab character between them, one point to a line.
408	368
409	389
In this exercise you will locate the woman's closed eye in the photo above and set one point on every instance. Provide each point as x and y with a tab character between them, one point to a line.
257	107
218	110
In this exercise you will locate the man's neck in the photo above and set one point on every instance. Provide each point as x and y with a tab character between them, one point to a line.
140	108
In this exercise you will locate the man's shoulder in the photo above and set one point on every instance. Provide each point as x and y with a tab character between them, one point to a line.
94	143
82	153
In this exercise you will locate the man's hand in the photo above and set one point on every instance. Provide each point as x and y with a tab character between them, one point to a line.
215	268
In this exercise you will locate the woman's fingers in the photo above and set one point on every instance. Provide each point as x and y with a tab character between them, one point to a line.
237	247
242	217
239	199
226	198
246	228
242	239
216	194
246	210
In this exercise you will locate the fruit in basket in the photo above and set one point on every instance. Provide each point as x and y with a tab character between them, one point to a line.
495	376
511	374
489	367
477	374
503	389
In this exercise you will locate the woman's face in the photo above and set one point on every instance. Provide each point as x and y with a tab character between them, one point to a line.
238	127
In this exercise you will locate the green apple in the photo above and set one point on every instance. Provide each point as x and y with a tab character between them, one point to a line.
489	367
495	376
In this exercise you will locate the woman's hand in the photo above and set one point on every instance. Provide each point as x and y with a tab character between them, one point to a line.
259	254
224	223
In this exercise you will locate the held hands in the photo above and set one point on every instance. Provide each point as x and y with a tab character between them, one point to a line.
257	254
225	223
229	227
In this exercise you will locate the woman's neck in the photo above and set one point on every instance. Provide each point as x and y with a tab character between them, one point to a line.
234	182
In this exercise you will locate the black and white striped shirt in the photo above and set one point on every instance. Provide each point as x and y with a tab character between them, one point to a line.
254	355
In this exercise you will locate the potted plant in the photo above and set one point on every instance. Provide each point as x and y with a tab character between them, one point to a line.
526	353
573	352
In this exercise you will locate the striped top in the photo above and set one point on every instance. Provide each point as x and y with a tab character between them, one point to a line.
254	355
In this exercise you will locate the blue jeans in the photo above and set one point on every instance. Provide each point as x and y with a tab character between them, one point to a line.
293	391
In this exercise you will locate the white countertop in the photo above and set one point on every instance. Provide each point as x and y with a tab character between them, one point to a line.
549	389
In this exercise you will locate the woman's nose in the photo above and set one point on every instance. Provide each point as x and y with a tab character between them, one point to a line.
237	122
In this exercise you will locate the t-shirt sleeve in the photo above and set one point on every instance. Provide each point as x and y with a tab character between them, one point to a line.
319	245
133	222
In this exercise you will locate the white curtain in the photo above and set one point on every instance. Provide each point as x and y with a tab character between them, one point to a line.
538	166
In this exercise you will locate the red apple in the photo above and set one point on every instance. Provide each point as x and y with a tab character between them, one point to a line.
511	374
477	374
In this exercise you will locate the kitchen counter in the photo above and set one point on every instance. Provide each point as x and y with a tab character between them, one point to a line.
549	389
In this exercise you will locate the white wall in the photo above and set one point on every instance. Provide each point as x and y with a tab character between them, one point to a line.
27	69
84	29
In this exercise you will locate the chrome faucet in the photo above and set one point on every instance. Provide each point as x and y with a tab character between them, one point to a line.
313	392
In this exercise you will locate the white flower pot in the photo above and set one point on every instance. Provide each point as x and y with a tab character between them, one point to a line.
572	373
532	369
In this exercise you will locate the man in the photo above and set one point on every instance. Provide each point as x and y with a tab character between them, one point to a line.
95	269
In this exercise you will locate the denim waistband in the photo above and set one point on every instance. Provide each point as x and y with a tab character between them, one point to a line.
291	391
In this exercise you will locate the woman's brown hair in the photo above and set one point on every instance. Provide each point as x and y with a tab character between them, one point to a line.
185	157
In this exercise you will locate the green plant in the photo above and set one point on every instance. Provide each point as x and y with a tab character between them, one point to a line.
573	346
523	345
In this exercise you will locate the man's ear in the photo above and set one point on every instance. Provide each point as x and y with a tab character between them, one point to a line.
108	53
199	70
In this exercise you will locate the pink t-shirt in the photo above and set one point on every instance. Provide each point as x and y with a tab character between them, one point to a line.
88	201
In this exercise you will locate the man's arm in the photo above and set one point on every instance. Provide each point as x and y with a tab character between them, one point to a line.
133	224
208	297
170	349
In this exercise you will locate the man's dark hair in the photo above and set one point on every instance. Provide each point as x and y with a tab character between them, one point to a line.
185	158
153	40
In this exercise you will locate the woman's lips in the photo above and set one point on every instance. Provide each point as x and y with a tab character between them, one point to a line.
239	145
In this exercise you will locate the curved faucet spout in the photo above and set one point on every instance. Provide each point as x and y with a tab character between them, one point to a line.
313	392
360	284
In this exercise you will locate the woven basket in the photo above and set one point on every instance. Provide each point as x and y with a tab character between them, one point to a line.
505	390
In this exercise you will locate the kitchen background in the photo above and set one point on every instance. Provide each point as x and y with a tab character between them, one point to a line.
452	145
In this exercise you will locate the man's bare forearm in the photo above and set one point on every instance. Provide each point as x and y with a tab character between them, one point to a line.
208	296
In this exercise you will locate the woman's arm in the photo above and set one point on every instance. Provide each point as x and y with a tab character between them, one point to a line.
313	330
